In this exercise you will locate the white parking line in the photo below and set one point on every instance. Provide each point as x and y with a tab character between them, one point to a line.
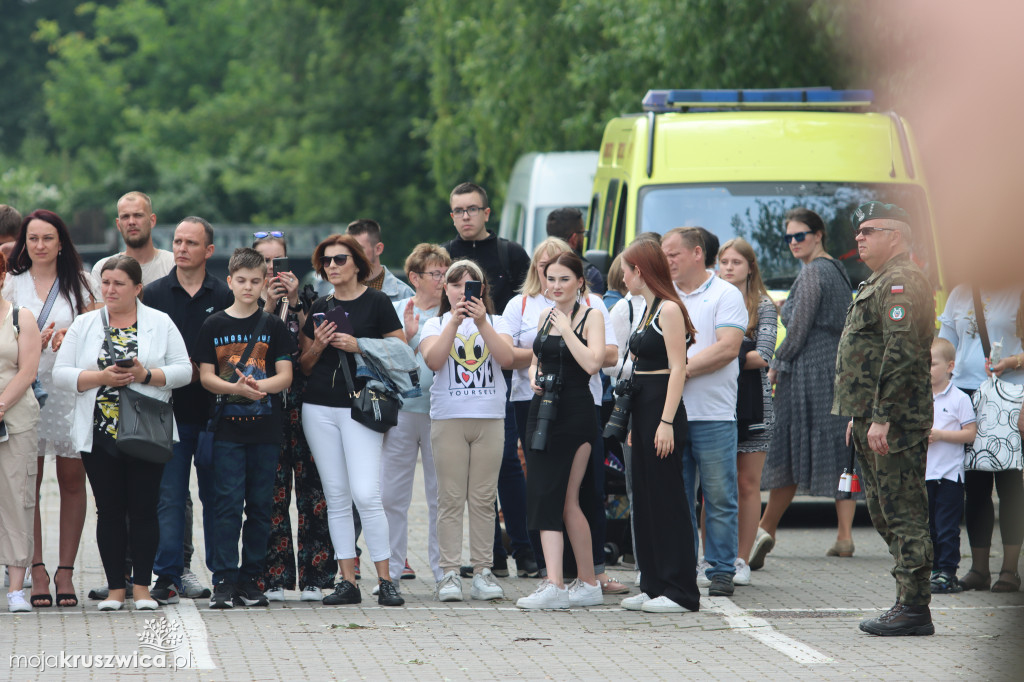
761	630
196	641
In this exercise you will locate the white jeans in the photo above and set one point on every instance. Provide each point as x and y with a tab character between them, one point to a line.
347	456
398	471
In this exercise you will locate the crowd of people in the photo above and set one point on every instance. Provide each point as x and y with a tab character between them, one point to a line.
278	393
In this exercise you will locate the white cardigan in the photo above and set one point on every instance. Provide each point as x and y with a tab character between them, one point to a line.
160	347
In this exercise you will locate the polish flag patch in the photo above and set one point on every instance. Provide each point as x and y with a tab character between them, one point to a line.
897	289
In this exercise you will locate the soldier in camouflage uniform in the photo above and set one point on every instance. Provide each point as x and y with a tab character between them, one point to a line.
883	383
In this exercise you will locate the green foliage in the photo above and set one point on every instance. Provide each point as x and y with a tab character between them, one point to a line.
322	111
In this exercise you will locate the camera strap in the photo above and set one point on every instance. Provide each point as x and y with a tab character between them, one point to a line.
545	331
645	324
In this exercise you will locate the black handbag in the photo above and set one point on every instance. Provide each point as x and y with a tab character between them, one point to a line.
374	408
145	425
204	441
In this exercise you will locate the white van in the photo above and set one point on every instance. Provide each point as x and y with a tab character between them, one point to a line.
541	183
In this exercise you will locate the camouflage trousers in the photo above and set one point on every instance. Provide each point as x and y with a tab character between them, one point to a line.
894	487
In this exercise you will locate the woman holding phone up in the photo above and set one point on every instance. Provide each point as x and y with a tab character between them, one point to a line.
347	454
466	347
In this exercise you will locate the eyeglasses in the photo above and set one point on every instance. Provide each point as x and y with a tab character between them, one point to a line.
865	231
277	234
338	260
436	275
470	211
797	237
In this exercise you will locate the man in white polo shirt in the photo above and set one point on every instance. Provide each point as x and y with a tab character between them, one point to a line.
720	318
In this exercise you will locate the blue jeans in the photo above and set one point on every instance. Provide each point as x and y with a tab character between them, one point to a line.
711	453
511	487
243	477
170	553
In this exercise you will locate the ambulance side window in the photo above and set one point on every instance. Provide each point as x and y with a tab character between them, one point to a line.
608	215
620	220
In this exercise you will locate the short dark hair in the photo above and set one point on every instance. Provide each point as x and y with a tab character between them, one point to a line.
469	188
809	218
10	221
125	264
365	226
564	222
710	247
350	243
247	258
207	227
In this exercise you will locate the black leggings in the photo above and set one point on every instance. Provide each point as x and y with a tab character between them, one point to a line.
127	491
980	514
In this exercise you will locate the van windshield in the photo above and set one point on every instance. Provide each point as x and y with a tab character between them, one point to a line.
755	211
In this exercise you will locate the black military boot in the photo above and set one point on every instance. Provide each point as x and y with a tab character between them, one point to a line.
901	620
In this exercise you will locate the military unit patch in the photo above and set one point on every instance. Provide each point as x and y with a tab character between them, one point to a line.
897	313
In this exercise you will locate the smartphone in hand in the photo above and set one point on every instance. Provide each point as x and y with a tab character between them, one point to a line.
473	289
281	265
125	362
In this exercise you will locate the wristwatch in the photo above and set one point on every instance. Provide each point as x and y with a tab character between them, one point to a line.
149	375
297	308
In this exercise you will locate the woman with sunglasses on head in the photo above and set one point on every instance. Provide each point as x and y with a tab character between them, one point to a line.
347	454
295	468
568	350
467	345
807	453
46	277
425	268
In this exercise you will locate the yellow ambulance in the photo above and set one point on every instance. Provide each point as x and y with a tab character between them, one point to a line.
734	161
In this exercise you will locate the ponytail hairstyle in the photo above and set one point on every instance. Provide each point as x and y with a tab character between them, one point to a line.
647	258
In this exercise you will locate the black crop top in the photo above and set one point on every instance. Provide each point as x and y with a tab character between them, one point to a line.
647	343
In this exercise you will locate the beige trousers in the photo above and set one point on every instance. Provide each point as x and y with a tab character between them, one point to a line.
467	458
18	469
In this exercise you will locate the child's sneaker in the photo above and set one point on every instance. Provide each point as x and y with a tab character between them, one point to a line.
16	602
249	594
944	583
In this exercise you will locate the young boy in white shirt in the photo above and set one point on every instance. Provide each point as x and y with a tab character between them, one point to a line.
954	426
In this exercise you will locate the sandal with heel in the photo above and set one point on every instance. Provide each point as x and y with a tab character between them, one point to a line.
65	596
41	599
1011	585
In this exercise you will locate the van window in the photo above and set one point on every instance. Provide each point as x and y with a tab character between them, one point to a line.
620	220
608	215
594	222
755	211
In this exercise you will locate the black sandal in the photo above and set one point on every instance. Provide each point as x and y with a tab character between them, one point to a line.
977	581
1012	585
41	600
65	596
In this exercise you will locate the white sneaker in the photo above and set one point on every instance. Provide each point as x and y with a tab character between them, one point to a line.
376	588
742	576
275	594
582	594
661	605
449	588
16	602
636	583
636	602
546	596
485	588
702	579
310	594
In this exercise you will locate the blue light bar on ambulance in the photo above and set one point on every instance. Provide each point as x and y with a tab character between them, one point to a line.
780	98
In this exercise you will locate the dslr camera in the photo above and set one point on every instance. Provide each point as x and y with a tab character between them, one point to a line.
547	411
618	423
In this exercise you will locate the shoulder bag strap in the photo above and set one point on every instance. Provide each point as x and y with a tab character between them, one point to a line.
51	298
106	333
979	316
14	319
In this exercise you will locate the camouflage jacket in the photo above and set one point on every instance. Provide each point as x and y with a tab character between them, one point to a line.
882	367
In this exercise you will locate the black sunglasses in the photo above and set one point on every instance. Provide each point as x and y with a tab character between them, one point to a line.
797	237
865	231
339	259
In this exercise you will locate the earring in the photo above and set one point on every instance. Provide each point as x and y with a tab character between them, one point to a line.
579	295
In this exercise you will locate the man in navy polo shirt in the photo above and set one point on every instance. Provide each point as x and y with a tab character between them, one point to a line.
188	294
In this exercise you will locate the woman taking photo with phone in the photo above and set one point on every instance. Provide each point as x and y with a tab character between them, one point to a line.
466	347
19	415
347	454
46	277
150	356
662	529
568	351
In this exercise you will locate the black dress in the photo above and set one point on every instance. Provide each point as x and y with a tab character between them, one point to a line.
661	513
547	477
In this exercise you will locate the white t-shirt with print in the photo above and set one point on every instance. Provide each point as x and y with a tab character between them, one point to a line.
470	384
953	411
713	305
524	322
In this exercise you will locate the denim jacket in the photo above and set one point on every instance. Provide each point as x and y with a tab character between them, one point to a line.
392	362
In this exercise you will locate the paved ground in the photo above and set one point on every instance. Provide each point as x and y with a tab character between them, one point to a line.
797	621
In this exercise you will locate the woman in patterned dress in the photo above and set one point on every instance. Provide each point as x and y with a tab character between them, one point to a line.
807	452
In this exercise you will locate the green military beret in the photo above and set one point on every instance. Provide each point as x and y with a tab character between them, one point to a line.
876	210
